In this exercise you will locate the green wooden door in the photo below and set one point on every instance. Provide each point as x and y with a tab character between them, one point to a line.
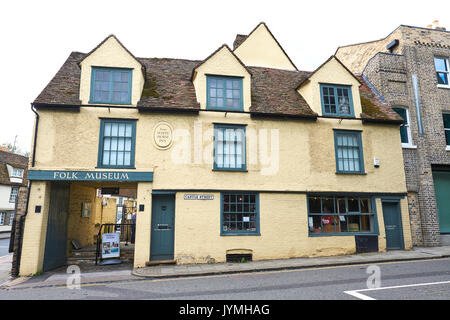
442	192
393	225
56	239
163	225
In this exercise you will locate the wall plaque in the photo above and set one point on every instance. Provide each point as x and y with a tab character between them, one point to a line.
162	135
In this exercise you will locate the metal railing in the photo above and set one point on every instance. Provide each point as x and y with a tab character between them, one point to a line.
127	233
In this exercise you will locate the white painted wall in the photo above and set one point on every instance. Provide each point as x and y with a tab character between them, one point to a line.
5	192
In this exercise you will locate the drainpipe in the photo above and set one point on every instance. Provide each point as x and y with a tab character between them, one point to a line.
35	135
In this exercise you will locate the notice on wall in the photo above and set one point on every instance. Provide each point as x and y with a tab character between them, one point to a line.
110	245
198	197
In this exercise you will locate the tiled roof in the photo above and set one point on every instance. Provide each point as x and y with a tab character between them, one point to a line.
14	160
168	86
372	106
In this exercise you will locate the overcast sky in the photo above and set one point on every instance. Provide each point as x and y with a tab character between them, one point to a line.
38	36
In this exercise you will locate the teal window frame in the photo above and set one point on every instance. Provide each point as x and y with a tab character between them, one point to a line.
101	150
222	128
404	127
348	133
210	79
335	88
112	72
446	119
239	205
373	220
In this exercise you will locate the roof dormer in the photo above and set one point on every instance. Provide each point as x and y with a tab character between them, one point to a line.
222	82
111	75
332	90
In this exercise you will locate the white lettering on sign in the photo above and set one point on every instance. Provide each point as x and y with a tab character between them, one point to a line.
198	197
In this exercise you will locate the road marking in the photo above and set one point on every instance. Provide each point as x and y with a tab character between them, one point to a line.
358	294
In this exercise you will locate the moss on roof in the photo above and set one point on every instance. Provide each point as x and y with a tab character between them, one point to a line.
150	86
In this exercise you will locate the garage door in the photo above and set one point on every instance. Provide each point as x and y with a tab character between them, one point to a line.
442	191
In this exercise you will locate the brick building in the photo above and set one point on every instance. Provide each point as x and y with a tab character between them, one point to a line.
409	69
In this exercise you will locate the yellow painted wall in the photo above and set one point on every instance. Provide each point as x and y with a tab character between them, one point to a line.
331	72
85	229
261	50
283	227
306	157
111	54
143	223
221	63
35	232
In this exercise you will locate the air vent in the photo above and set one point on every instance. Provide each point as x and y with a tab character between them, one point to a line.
239	257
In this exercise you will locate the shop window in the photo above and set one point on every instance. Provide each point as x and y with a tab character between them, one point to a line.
348	149
117	143
13	194
224	93
442	70
336	100
240	214
334	215
229	148
446	117
110	85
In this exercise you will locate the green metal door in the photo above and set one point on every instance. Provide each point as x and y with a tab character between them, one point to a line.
442	192
56	239
393	225
163	224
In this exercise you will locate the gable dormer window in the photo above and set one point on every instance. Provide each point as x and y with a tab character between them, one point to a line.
336	100
110	85
224	93
17	173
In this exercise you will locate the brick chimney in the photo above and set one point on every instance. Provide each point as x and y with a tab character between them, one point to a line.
435	25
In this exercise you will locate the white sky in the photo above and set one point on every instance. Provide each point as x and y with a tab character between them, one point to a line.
38	36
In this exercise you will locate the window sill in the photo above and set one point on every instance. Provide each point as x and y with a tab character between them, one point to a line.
443	86
112	103
239	234
119	168
354	173
342	234
408	146
230	170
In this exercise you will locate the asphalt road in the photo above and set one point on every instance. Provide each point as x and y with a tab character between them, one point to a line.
426	279
4	245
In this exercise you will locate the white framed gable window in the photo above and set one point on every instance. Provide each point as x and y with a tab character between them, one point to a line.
442	71
17	173
405	127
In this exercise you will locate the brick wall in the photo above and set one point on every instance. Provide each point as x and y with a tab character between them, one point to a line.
391	75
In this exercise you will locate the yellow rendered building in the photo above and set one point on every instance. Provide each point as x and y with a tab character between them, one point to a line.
239	155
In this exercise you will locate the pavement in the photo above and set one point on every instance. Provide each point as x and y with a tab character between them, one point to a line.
185	270
90	274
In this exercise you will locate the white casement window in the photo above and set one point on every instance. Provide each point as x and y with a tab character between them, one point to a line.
11	217
13	195
405	127
2	218
442	71
17	173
